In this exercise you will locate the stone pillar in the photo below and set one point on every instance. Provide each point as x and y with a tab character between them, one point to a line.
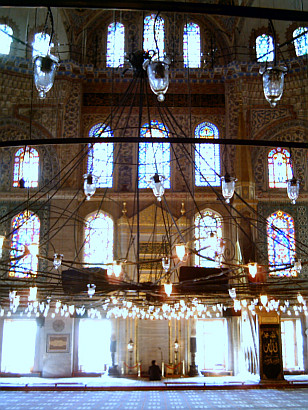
193	371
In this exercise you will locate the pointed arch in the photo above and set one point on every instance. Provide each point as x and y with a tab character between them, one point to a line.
154	157
192	45
6	33
208	237
207	156
281	242
151	42
25	238
26	167
264	48
98	239
279	167
301	43
115	45
100	156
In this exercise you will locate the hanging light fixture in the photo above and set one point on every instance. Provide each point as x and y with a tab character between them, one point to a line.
168	288
228	186
44	68
273	80
32	294
89	185
58	257
130	345
297	265
273	76
117	268
180	250
158	75
158	186
91	289
263	300
232	293
293	189
176	345
165	261
253	269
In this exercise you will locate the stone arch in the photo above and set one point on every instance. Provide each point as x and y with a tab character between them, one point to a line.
18	130
289	131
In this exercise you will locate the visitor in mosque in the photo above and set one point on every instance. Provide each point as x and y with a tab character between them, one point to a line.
154	371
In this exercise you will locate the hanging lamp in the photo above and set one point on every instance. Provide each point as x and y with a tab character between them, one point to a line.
293	189
89	185
158	186
44	71
58	257
158	75
228	187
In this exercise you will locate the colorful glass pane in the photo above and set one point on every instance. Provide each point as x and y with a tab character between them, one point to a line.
100	156
25	237
154	157
279	167
301	43
264	48
281	243
98	242
5	38
115	45
208	234
191	45
26	167
207	156
40	45
149	42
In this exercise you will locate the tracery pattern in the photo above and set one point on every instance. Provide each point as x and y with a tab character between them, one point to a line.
264	48
154	157
5	38
149	42
100	156
279	167
98	239
26	167
207	156
280	242
301	43
24	241
115	45
208	234
191	45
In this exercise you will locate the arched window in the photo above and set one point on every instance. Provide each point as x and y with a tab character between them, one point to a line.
5	38
154	157
208	238
24	241
264	48
40	45
26	167
149	42
191	45
98	242
301	43
100	156
281	242
279	167
207	156
115	45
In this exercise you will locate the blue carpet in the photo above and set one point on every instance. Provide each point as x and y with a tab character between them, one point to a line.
156	400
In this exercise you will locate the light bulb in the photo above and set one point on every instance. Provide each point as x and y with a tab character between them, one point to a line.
253	269
168	288
180	250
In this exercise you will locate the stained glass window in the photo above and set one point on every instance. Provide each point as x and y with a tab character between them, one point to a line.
148	34
98	242
26	167
154	157
191	45
281	242
265	48
208	234
115	45
40	45
207	156
301	43
279	167
24	240
100	156
5	38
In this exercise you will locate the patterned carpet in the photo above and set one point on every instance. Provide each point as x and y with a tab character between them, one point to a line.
156	400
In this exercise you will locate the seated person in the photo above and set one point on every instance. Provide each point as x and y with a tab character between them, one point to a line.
154	371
